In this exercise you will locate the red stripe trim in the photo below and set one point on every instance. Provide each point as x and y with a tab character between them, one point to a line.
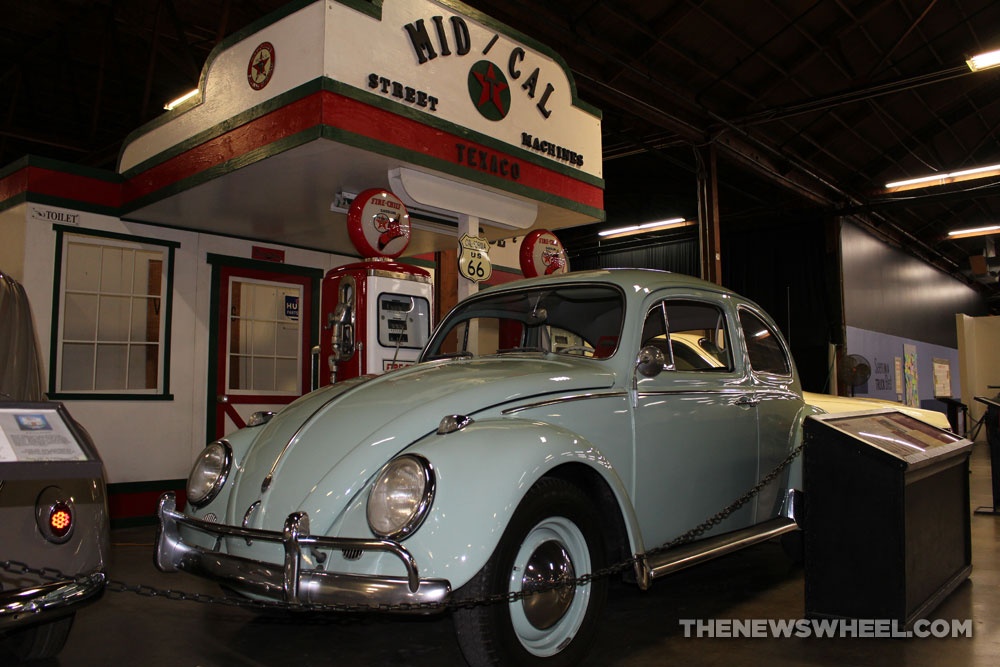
142	503
14	184
321	108
235	416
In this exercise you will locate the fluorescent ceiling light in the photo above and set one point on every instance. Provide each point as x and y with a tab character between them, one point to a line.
169	106
943	179
977	231
984	60
645	227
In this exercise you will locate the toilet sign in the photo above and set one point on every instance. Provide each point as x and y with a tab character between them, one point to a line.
474	258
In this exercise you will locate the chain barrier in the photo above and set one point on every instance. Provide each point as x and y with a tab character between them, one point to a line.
116	586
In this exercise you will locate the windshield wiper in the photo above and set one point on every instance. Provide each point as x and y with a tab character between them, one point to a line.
529	348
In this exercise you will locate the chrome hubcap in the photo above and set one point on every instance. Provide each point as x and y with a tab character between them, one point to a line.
548	565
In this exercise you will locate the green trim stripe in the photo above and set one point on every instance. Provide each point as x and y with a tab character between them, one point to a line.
115	235
260	265
59	165
415	157
162	395
366	97
56	396
242	118
372	8
229	41
13	201
256	155
531	42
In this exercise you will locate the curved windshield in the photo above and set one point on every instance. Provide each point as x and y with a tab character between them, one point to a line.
577	320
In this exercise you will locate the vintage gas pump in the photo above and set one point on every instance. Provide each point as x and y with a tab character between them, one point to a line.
376	313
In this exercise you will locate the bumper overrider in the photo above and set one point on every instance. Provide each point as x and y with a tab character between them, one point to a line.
288	581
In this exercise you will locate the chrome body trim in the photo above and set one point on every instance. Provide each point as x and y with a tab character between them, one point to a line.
29	605
220	481
687	555
793	507
399	275
260	418
564	399
288	581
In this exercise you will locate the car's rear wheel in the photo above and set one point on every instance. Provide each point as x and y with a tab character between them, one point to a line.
40	641
552	536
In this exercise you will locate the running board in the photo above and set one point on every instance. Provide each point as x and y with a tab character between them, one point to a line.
698	552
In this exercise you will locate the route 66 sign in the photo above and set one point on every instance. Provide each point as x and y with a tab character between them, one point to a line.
474	258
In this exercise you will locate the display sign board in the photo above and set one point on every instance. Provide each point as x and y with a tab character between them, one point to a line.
36	435
896	434
542	254
40	440
378	224
474	258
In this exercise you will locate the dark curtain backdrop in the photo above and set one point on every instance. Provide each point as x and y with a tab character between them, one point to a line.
788	269
678	256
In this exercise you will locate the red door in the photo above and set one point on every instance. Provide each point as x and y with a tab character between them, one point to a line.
263	334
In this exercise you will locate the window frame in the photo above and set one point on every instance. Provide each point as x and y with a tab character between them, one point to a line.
168	248
661	303
790	373
300	381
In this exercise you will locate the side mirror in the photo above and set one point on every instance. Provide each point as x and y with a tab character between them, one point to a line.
650	361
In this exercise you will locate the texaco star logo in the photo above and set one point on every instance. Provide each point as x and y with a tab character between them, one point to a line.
261	66
489	90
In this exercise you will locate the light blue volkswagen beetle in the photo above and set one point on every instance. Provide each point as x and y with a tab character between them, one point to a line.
554	426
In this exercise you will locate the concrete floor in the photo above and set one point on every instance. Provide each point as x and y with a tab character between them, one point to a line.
638	628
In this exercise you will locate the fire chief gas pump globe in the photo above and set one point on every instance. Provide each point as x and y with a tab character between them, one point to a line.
378	224
542	254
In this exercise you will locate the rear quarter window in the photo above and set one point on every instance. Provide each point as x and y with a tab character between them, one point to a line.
764	350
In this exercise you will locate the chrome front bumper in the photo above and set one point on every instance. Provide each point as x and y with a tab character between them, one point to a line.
48	600
288	581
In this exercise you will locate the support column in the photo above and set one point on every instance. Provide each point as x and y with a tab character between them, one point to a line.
708	215
468	224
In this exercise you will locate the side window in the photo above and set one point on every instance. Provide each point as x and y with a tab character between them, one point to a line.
691	334
763	348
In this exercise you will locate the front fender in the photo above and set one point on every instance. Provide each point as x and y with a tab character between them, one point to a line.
482	473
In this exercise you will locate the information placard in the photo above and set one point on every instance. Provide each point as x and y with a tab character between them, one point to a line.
36	434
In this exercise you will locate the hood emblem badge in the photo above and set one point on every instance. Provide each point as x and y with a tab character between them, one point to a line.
246	518
266	483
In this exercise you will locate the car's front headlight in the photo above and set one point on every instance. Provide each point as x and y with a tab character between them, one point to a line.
209	473
401	496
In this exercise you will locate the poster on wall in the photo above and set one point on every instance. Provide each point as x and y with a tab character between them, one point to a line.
899	379
912	397
942	378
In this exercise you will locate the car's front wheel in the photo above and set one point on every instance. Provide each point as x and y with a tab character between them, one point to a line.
39	641
552	536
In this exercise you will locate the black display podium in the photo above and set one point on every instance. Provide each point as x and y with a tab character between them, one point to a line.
993	440
887	528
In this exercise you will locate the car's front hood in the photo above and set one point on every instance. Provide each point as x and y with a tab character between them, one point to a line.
320	450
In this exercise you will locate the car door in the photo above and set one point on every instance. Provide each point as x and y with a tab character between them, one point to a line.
695	424
778	397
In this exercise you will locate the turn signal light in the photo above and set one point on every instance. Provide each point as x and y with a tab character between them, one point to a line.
54	514
61	519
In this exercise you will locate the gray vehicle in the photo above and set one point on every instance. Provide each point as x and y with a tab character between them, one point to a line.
53	505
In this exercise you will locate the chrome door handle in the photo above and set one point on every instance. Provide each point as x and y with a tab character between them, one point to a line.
747	400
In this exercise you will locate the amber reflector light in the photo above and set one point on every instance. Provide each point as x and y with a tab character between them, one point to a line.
60	519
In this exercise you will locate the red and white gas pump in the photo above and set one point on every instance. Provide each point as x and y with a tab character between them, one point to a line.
376	313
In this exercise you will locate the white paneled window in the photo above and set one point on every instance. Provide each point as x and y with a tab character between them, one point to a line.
265	338
112	316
